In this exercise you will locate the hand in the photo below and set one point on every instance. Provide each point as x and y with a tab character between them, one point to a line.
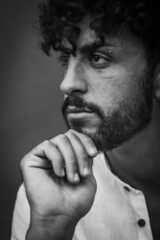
58	177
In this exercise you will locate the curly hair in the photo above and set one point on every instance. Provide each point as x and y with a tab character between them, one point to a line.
59	19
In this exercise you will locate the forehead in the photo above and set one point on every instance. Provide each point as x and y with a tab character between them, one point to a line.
121	38
88	36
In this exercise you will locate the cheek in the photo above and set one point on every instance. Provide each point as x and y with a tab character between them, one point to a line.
111	89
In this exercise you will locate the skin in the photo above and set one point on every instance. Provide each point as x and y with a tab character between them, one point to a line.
56	200
104	81
107	78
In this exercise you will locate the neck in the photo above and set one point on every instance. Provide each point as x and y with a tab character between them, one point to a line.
137	162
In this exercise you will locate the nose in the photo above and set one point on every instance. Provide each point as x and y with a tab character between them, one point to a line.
74	81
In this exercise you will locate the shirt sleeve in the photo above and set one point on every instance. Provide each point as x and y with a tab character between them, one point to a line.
21	216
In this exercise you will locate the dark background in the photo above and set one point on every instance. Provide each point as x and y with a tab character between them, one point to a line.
30	99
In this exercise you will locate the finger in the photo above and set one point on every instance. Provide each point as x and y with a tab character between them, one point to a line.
63	144
81	154
49	151
43	157
56	158
87	143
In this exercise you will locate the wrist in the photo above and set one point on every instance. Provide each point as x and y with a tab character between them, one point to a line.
49	228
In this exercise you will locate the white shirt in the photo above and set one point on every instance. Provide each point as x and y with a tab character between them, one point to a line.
119	212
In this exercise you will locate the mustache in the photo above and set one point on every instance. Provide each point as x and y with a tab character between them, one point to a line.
79	102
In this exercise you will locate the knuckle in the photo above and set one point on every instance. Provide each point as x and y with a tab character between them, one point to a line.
24	162
60	138
71	131
69	134
40	146
74	132
44	144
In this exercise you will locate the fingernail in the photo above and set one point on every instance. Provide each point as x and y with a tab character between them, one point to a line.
93	151
62	173
76	177
96	153
86	171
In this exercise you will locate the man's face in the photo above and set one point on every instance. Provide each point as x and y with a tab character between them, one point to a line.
104	87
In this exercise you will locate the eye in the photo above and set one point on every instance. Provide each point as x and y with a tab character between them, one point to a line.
99	60
64	59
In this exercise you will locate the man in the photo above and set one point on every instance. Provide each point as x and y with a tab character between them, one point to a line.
100	179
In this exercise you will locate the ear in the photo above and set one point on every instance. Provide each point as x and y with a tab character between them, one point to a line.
156	83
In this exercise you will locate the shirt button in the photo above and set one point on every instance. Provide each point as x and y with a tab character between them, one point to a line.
141	222
127	188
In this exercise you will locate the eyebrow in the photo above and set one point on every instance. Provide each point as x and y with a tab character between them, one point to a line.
86	48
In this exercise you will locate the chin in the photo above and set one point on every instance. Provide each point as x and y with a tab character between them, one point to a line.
85	129
85	125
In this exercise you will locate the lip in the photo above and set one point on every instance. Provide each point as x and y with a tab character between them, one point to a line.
80	115
73	109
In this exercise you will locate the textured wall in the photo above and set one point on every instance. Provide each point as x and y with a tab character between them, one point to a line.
30	99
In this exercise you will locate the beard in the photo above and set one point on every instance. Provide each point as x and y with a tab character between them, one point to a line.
120	124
